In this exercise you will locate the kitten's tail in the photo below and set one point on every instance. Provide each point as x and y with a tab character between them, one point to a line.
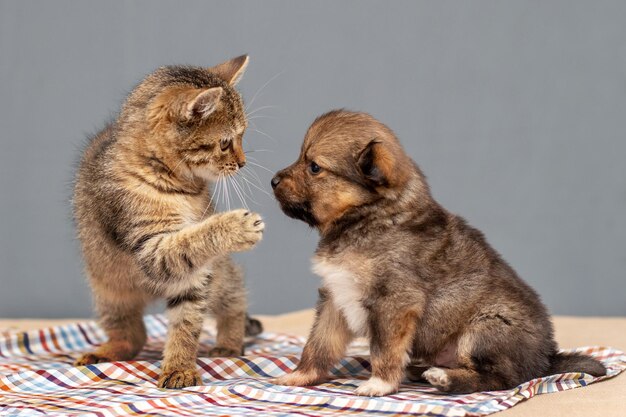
576	362
253	326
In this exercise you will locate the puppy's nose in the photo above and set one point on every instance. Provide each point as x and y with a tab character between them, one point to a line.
275	181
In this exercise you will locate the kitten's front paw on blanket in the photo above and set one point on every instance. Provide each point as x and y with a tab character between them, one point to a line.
375	387
298	379
179	378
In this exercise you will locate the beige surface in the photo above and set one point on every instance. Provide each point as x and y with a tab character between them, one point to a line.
604	399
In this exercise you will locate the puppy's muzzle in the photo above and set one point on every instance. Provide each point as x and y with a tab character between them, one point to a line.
276	181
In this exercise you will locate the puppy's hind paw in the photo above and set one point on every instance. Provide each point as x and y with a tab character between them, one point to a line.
375	387
438	378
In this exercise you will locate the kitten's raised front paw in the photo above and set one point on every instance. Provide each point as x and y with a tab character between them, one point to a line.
179	378
224	352
298	379
375	387
90	359
244	227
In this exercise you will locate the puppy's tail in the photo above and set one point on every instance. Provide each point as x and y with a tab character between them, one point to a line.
576	362
253	326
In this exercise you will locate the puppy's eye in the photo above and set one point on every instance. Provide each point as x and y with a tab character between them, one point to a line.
314	168
225	143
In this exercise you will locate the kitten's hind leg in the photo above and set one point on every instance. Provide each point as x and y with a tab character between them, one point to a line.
121	317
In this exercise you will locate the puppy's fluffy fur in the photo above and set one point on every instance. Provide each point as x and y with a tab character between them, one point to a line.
434	299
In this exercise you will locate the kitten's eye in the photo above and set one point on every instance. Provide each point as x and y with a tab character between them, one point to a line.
314	168
225	143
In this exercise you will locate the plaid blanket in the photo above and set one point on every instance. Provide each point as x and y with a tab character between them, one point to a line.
37	378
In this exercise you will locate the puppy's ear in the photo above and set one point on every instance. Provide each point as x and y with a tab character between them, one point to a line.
231	71
380	166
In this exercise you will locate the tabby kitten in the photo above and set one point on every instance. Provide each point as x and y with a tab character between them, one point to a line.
142	204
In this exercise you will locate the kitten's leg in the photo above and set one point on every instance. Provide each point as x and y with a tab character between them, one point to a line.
228	305
186	315
324	348
121	317
391	336
170	258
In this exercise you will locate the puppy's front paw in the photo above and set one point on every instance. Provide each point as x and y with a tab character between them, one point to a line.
243	229
438	378
90	359
376	387
224	352
298	379
179	378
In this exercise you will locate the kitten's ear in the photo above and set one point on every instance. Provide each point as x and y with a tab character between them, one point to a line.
231	71
202	105
379	165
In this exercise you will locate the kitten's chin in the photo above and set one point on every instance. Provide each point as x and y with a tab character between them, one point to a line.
209	174
206	174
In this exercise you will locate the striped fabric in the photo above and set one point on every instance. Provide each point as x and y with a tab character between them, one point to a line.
37	378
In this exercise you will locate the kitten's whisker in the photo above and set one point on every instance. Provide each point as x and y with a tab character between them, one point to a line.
183	159
257	187
259	150
262	87
265	134
211	200
260	166
243	191
244	174
221	195
261	116
255	176
243	201
227	192
259	109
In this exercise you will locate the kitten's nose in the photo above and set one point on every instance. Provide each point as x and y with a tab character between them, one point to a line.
275	181
241	163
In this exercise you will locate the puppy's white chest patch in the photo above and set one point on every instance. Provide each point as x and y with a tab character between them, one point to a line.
346	293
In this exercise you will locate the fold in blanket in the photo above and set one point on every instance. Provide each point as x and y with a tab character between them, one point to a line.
37	378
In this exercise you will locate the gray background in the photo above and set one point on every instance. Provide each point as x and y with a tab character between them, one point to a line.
515	110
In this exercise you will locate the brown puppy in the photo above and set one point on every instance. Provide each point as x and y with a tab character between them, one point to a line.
434	299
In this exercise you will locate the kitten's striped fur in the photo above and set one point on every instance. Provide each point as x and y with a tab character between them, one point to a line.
146	223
